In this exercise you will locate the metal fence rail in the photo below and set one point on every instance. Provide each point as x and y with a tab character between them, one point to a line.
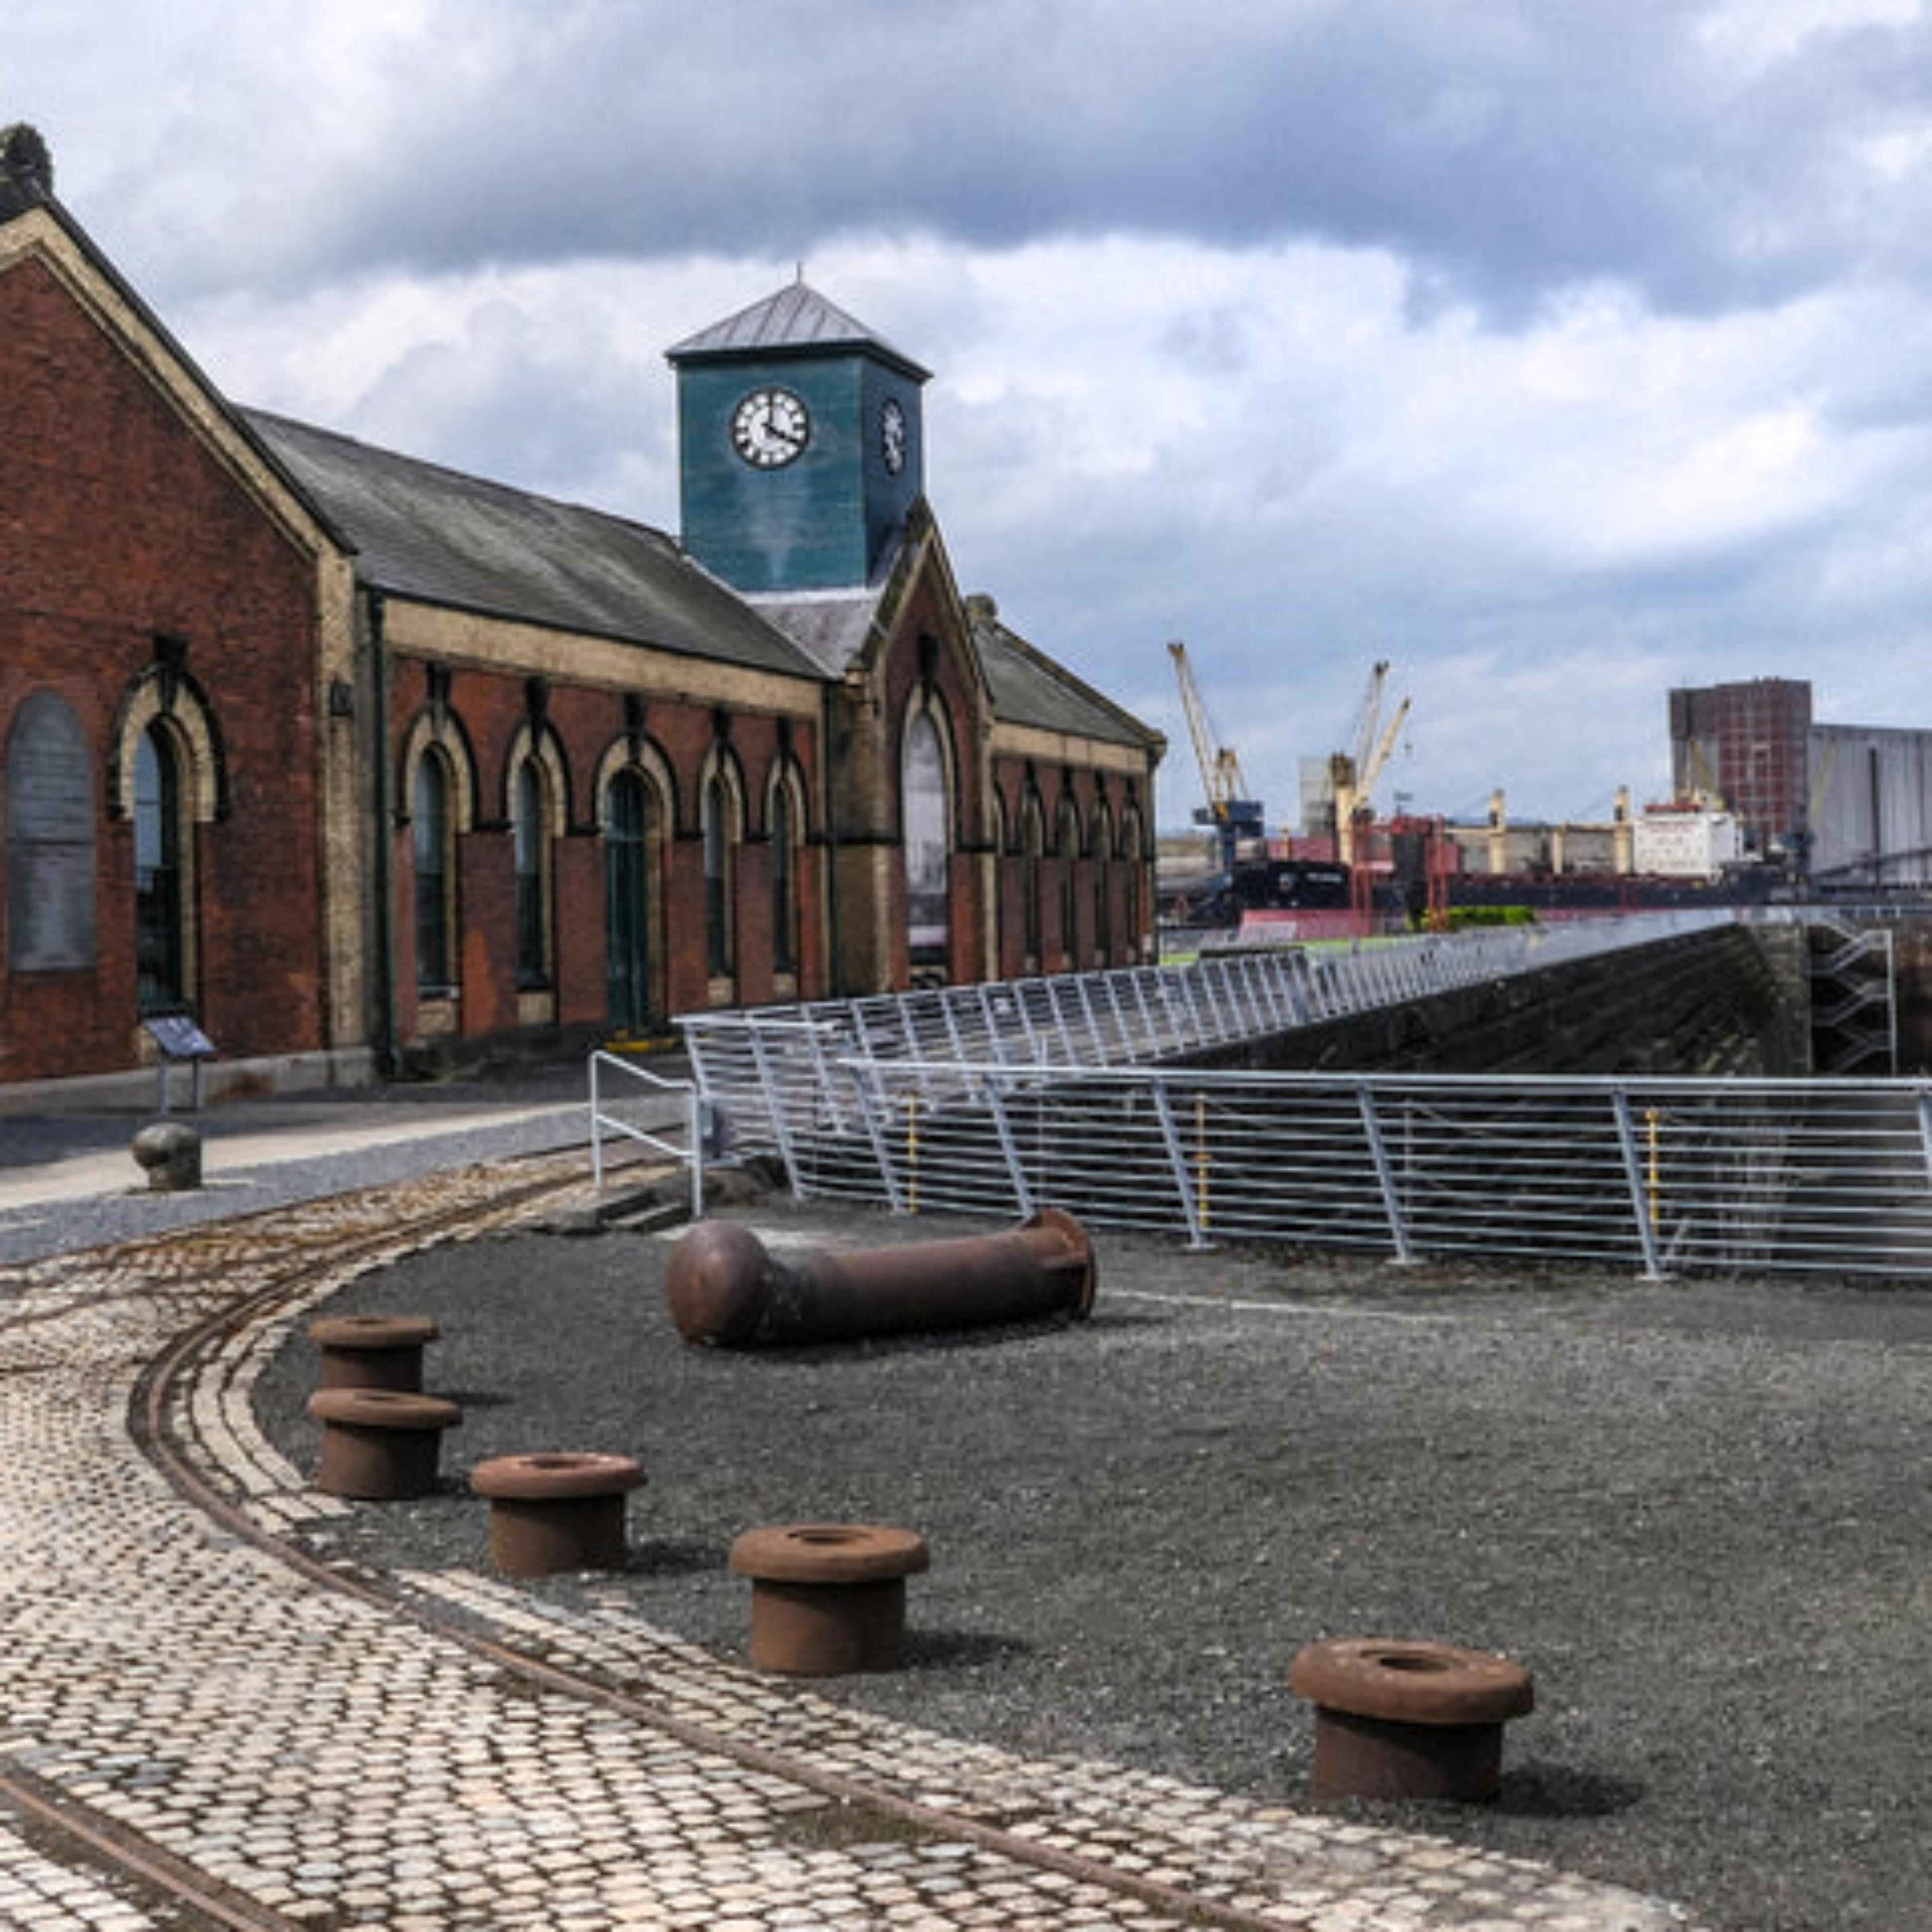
768	1070
1657	1176
1000	1098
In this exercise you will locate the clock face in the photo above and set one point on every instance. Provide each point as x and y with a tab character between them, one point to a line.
893	435
770	428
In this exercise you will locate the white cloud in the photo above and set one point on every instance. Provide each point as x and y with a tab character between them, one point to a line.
1554	354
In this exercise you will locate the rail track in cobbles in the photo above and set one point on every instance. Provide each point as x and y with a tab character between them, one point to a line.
207	1722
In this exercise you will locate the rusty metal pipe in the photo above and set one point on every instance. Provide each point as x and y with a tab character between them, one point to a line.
726	1288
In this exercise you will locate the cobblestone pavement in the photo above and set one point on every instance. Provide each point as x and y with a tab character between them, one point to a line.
337	1761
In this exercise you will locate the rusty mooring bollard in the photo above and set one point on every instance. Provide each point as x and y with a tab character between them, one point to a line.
828	1598
724	1287
552	1514
1400	1720
380	1445
381	1351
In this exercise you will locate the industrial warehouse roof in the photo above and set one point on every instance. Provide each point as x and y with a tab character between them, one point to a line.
797	317
423	532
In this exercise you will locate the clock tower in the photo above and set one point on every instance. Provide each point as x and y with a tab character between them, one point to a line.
800	445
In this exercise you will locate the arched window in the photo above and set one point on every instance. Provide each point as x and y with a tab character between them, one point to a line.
926	810
631	821
161	902
1033	849
49	775
1132	841
530	830
432	828
786	829
1068	840
1101	847
721	834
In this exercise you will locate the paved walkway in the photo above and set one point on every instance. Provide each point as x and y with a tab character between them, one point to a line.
340	1764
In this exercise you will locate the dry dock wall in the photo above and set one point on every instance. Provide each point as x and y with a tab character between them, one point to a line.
1732	1000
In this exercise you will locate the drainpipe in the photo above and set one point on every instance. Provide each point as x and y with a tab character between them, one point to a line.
829	699
385	948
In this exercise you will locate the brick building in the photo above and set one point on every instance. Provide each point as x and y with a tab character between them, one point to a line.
358	761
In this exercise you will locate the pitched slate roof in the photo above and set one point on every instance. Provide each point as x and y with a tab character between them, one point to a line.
797	318
435	534
1030	689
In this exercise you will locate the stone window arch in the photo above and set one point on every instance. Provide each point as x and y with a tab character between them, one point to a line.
438	794
1100	843
168	775
1066	839
785	821
721	825
1032	858
636	795
539	813
926	794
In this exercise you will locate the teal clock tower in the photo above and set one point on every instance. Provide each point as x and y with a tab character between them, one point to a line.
801	447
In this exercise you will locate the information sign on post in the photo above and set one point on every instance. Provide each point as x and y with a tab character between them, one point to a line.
176	1037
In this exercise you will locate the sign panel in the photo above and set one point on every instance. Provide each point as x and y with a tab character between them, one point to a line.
49	857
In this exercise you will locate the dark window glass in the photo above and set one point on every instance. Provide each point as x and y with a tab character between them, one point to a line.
160	937
532	846
430	816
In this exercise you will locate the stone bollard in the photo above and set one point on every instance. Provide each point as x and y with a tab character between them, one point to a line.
378	1351
553	1513
828	1598
1400	1720
380	1445
170	1152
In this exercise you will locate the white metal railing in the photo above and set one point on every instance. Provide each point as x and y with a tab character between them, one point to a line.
767	1068
647	1108
1003	1097
1661	1176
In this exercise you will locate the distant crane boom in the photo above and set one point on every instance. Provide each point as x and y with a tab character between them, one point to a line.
1229	809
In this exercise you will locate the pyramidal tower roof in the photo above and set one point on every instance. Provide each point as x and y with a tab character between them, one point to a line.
796	320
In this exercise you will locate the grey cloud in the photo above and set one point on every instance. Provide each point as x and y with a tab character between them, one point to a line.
1504	150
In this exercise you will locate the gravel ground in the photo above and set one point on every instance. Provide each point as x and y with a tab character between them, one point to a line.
1698	1511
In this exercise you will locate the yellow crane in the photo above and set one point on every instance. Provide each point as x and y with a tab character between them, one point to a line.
1354	774
1233	813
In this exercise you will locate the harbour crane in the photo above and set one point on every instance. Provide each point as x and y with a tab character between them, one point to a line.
1229	809
1354	774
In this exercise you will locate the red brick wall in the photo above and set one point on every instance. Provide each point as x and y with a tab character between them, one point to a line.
493	710
117	525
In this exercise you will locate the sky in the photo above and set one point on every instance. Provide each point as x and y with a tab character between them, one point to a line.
1555	352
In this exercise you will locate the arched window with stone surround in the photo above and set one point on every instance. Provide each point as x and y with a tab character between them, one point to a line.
785	821
1101	844
723	827
926	813
433	835
162	950
1133	846
1067	838
529	823
1032	855
49	863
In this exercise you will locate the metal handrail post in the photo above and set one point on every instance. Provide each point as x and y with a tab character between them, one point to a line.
597	1130
1372	1127
1176	1159
1634	1178
872	1105
996	1103
775	1106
